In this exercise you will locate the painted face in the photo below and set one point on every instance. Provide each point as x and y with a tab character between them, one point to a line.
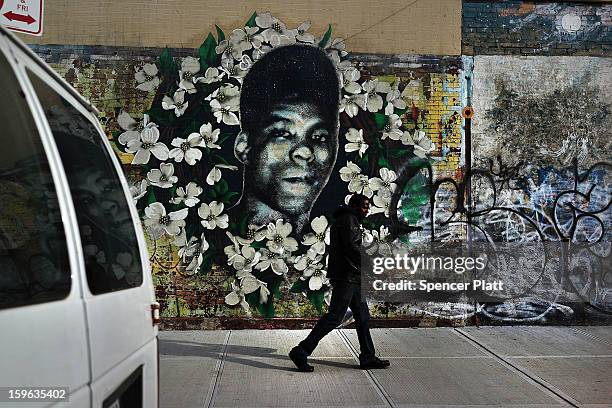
292	157
364	208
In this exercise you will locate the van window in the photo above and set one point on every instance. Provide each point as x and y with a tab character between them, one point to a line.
34	265
110	247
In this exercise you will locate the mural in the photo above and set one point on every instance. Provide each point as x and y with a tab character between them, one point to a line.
524	27
238	153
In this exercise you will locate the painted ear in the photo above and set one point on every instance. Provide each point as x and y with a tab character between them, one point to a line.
241	147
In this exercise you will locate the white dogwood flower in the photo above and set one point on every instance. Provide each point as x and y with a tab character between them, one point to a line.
361	185
278	237
350	171
190	66
392	128
380	242
253	233
147	78
348	80
146	145
384	185
215	173
188	195
236	70
351	104
312	270
163	177
320	238
238	293
187	149
231	250
224	112
226	95
248	38
272	260
211	215
260	52
274	31
302	34
394	100
211	75
246	260
374	102
355	141
207	137
382	203
193	253
422	145
230	48
138	190
132	127
158	222
177	102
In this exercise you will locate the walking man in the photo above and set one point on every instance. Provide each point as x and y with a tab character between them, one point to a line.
344	273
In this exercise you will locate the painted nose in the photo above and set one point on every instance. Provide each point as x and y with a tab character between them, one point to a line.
303	153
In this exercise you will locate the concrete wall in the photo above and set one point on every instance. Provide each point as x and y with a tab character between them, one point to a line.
389	26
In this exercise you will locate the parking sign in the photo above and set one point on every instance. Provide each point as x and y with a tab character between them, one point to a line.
24	16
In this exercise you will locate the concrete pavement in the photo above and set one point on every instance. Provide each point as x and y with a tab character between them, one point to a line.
519	366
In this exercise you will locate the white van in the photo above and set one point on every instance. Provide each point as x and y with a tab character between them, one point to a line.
77	303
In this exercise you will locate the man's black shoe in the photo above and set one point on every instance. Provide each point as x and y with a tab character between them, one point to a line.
374	364
300	361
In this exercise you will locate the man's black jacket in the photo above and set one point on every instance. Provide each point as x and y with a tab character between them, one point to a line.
344	262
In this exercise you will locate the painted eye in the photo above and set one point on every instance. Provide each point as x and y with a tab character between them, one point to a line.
280	133
319	137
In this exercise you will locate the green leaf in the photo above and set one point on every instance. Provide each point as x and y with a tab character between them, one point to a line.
220	34
212	193
381	120
206	266
219	159
222	138
222	187
317	299
274	287
251	22
151	197
399	112
363	161
267	309
326	37
227	197
395	153
252	298
299	286
166	62
383	162
161	116
207	52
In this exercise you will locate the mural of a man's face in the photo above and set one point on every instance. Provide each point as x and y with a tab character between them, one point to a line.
291	157
289	132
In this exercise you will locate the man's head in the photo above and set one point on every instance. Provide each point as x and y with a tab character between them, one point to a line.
289	119
361	204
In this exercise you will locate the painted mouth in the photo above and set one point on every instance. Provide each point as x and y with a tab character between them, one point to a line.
299	179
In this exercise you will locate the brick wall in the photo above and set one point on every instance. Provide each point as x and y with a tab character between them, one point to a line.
536	28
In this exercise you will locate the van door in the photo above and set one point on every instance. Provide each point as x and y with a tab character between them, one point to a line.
117	285
43	338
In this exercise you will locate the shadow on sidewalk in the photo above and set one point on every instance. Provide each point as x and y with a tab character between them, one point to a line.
245	355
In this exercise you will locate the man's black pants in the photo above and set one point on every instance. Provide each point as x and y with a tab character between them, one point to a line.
344	295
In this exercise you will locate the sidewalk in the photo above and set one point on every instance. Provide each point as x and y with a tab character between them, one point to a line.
518	366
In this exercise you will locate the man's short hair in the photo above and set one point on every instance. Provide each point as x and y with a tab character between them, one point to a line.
357	200
293	73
